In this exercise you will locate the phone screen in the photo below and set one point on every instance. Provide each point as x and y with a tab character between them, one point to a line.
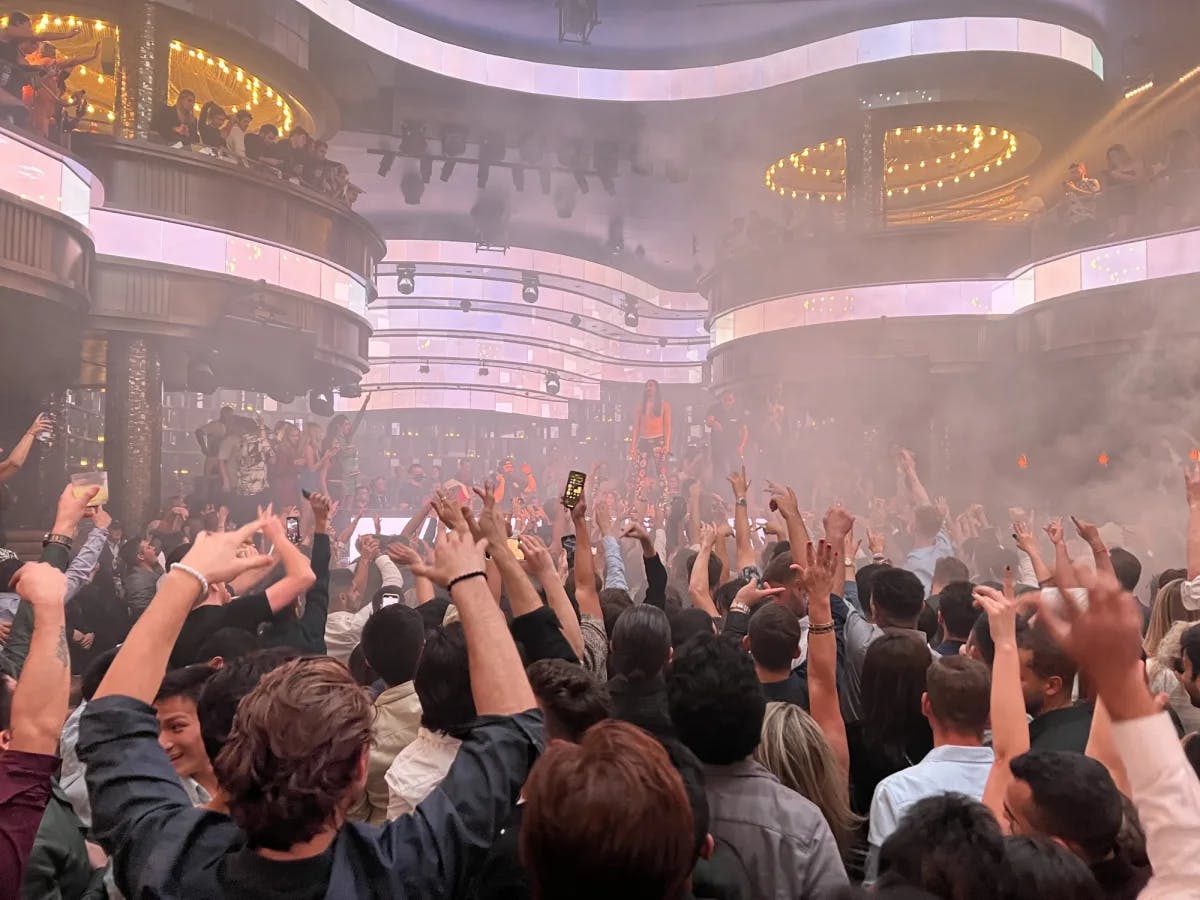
293	529
574	490
388	599
515	546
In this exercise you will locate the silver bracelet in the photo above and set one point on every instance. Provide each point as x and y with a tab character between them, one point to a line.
188	570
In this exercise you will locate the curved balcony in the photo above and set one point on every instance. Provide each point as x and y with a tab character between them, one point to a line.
46	255
151	179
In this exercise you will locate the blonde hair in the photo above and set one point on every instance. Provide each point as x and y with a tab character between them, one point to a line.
795	750
1168	609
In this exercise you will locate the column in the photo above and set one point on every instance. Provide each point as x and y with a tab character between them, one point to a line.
133	428
144	52
865	164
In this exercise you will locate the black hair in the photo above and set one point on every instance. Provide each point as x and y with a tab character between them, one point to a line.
391	641
571	700
893	679
6	698
268	128
227	643
95	672
176	555
948	845
898	595
1128	568
129	552
1075	800
774	634
715	700
1045	868
658	398
864	580
956	603
443	680
16	18
613	602
223	692
715	568
779	571
340	581
1189	647
641	642
981	637
1048	657
724	595
687	623
778	547
187	682
692	773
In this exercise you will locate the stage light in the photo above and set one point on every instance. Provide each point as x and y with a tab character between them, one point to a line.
200	377
1022	461
320	403
529	287
631	313
406	282
426	168
412	186
412	138
385	164
464	305
484	371
576	321
616	234
454	140
565	198
447	169
662	342
351	391
1139	90
581	181
606	157
552	383
1102	459
423	369
281	396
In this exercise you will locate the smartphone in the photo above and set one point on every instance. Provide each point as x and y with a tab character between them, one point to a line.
388	598
307	495
515	546
293	529
647	523
574	490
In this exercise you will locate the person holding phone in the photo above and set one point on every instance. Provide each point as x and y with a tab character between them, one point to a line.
650	443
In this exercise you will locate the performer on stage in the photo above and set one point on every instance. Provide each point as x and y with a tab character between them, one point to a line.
651	442
727	422
343	459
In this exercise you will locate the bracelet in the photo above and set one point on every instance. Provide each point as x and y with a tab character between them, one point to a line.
188	570
63	539
453	581
739	608
826	628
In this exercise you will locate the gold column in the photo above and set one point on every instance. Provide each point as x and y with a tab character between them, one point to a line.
133	428
144	50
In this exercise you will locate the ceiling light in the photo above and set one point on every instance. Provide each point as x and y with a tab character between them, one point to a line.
483	370
406	282
423	368
385	164
320	403
529	287
464	305
552	383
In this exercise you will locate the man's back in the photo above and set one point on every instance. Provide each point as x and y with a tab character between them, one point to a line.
781	838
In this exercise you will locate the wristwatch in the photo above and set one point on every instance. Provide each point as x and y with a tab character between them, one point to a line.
849	563
741	501
739	607
49	538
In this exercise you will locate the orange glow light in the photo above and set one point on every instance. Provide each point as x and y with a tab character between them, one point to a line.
1022	461
1102	458
1196	454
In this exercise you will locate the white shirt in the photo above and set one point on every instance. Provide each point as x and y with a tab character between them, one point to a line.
1166	793
418	770
944	770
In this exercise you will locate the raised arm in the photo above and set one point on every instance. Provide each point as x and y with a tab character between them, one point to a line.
39	703
818	573
1010	728
656	572
1191	478
585	567
741	519
916	489
79	572
298	575
316	600
1027	544
785	503
614	559
1091	534
540	565
666	428
11	464
699	589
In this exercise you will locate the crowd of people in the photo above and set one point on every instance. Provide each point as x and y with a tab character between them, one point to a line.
33	79
295	156
712	696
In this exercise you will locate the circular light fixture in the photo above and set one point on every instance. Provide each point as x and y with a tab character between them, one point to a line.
552	383
529	287
406	281
917	158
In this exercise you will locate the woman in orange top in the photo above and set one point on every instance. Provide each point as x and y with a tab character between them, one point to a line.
651	443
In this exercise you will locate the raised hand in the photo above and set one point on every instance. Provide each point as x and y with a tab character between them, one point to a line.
579	513
739	483
708	535
1000	607
457	553
751	594
1191	482
72	508
40	584
1087	531
1023	535
723	531
451	515
322	508
101	517
818	568
217	558
636	531
876	542
402	555
604	520
838	523
537	561
1055	531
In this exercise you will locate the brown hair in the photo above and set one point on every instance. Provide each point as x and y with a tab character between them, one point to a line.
607	817
294	752
1168	609
960	692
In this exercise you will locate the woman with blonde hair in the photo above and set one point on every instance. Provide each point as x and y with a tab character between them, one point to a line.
1167	610
310	460
796	751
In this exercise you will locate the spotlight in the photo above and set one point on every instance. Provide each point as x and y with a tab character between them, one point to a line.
351	391
531	147
492	150
385	164
483	370
426	168
464	305
552	384
281	396
662	342
412	139
518	177
616	234
423	368
454	140
607	157
412	186
631	313
406	283
581	180
448	169
320	403
529	287
576	321
565	198
200	377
